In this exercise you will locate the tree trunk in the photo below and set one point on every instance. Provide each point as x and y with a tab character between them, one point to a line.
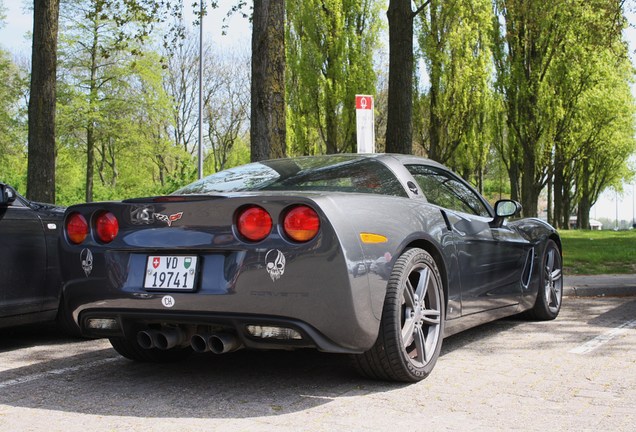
435	125
90	127
331	124
557	185
583	214
529	196
41	159
550	213
399	128
268	128
435	122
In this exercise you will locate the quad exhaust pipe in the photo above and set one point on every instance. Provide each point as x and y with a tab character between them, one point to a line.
218	343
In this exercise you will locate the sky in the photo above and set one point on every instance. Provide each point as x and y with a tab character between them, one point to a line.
15	37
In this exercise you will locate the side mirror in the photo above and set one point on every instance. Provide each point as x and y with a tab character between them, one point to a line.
504	209
7	195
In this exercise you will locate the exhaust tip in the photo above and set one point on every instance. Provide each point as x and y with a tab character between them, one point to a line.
145	339
222	343
199	343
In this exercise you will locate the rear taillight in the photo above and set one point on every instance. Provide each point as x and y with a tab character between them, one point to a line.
106	226
301	223
253	223
76	228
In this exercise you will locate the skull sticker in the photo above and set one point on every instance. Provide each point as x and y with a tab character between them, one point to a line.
86	258
275	263
142	215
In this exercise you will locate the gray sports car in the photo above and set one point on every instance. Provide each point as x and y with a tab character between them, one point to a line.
378	256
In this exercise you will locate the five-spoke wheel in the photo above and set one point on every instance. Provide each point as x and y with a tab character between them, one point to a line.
412	325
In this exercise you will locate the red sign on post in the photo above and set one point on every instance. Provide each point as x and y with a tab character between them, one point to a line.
364	102
365	124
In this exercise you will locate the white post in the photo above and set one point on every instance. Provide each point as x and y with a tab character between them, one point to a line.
365	124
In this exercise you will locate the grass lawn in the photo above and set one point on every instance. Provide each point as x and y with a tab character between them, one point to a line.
598	252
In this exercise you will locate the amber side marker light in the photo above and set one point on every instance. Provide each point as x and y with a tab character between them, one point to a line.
301	223
370	238
76	228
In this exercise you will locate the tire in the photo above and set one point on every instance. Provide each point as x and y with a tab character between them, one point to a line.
132	351
413	306
550	292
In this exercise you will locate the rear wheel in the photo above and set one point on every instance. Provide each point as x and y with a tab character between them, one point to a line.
548	302
131	350
412	324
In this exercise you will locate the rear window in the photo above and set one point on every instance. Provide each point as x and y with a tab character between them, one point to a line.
343	173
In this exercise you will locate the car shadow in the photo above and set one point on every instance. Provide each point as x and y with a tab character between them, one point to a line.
93	379
243	384
14	338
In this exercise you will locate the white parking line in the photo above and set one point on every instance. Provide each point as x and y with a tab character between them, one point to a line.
600	340
29	378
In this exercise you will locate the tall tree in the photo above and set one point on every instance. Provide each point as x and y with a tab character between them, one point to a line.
330	50
455	42
531	40
181	83
226	101
41	165
268	121
41	138
604	131
525	49
399	128
13	152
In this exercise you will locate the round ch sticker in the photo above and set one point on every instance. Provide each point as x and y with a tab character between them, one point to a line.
167	301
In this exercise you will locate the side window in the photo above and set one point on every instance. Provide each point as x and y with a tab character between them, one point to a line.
445	190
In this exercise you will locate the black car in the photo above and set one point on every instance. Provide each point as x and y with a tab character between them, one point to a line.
30	286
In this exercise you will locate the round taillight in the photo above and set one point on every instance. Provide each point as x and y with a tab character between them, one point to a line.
301	223
254	223
106	226
76	228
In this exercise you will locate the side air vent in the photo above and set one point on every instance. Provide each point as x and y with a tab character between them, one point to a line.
527	269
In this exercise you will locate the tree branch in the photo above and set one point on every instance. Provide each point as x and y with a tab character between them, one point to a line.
421	8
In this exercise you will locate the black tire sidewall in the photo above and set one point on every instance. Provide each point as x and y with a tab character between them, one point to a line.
391	316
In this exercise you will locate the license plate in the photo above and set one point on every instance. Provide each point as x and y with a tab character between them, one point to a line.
174	272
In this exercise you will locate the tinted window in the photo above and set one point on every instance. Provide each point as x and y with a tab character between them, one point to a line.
330	173
445	190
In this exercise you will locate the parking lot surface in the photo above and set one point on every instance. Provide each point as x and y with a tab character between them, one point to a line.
575	373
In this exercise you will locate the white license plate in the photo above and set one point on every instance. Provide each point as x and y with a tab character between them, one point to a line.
174	272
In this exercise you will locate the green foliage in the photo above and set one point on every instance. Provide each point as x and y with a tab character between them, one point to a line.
454	42
13	156
516	95
330	46
554	60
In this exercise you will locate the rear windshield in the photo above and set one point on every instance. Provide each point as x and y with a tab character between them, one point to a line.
329	173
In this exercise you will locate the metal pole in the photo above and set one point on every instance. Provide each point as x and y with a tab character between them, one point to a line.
616	226
201	90
634	205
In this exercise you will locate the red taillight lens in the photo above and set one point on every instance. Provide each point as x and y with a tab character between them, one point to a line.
301	223
76	228
254	223
106	226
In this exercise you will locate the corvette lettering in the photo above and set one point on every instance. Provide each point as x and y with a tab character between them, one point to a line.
169	219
